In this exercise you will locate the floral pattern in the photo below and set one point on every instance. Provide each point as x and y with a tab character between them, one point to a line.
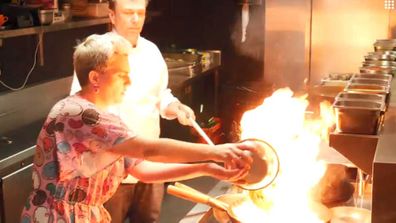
73	175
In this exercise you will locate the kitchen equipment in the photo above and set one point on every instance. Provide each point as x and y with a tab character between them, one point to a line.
3	19
188	193
378	56
183	63
66	8
46	16
345	214
97	9
384	45
367	88
374	76
200	131
370	89
381	63
354	96
370	81
358	117
378	70
265	166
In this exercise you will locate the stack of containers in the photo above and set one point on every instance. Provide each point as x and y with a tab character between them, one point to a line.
360	108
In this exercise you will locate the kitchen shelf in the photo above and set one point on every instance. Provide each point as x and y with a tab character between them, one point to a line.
75	23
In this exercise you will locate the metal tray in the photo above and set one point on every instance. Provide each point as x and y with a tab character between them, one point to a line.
383	63
385	45
367	88
386	56
370	81
373	76
378	70
359	117
351	96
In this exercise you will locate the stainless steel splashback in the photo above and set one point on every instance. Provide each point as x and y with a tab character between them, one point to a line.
20	108
308	39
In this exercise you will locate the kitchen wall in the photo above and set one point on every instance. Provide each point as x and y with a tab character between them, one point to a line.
308	39
343	32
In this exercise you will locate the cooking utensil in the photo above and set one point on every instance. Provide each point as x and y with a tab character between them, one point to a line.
188	193
201	132
265	166
346	214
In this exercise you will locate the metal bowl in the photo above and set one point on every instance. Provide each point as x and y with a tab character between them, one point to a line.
46	16
346	214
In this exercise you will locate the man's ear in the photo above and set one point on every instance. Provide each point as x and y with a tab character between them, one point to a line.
93	77
112	16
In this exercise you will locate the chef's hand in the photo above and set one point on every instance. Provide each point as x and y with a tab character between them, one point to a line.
182	112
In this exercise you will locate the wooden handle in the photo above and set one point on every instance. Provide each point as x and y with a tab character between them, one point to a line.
201	132
195	196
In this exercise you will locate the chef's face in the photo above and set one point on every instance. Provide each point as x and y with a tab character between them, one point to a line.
128	17
114	79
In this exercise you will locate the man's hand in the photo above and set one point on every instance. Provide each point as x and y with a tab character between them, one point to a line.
182	112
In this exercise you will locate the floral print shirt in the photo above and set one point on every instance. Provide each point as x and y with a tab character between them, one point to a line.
73	174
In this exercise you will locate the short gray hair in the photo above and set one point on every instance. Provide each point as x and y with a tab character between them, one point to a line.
95	51
113	2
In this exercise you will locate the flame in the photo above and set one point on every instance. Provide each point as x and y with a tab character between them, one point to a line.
280	121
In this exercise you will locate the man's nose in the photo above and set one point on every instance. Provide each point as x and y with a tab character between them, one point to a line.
135	17
127	81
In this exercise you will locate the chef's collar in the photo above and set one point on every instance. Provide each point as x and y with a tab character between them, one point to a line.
133	46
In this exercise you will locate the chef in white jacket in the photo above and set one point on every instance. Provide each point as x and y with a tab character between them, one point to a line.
147	98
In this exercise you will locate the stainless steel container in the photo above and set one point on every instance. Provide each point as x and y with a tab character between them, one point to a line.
374	76
381	82
46	16
378	56
369	89
378	70
385	45
358	117
381	63
351	96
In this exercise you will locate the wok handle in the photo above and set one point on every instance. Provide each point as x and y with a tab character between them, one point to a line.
196	196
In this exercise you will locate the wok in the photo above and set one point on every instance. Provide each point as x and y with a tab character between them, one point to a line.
224	208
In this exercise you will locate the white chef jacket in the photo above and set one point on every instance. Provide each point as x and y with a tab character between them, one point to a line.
147	96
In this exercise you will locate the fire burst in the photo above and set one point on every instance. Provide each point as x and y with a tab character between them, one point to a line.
280	120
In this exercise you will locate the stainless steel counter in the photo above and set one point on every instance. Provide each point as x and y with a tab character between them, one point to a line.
384	168
75	23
